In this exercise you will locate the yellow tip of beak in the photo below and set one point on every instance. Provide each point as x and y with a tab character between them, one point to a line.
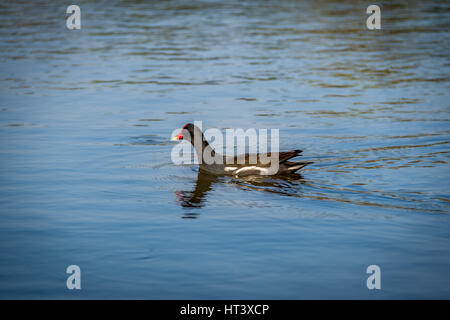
174	139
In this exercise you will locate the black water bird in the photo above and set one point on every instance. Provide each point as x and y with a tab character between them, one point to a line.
241	165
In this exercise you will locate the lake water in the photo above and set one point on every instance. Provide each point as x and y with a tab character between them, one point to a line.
86	177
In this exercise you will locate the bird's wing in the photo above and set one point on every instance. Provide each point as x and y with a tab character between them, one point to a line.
283	156
249	159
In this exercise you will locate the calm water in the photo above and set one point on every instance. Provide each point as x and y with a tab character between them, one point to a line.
86	176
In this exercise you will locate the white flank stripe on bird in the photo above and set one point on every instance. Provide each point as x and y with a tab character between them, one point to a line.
265	170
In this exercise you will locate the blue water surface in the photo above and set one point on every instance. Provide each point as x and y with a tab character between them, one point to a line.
86	176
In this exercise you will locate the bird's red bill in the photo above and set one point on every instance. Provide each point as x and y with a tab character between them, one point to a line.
178	137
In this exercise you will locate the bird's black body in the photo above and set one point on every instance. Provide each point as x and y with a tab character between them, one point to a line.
241	165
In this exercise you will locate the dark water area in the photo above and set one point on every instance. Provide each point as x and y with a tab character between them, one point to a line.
86	176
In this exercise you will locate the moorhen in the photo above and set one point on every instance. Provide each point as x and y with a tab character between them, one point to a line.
241	165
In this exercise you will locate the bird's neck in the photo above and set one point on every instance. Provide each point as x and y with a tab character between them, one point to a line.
202	149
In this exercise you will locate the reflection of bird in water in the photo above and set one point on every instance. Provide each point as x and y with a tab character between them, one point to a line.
195	199
205	182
